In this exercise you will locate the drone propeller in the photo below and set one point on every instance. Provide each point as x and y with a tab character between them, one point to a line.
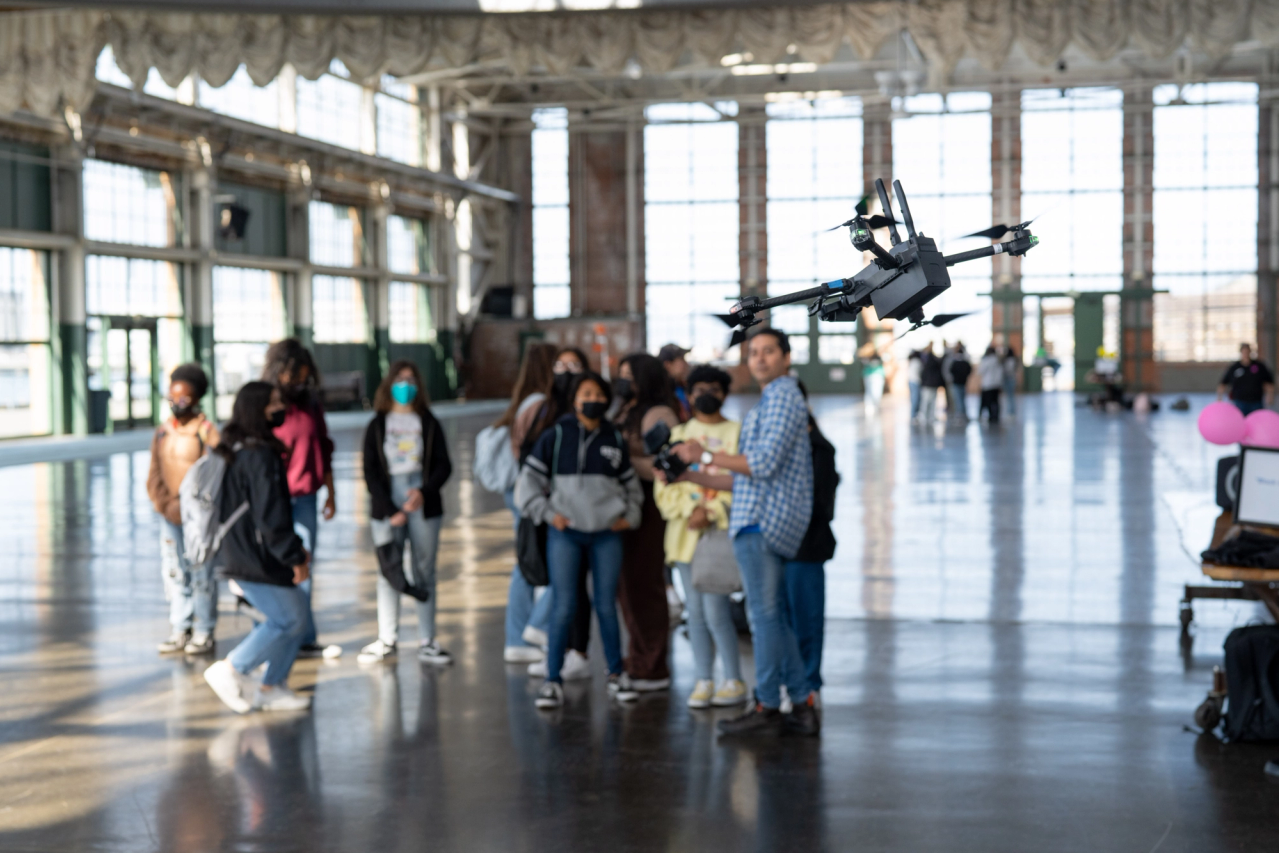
875	222
996	231
738	337
936	320
729	320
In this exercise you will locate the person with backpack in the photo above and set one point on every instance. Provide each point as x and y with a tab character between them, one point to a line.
806	571
177	444
579	481
509	432
262	553
406	463
690	511
305	434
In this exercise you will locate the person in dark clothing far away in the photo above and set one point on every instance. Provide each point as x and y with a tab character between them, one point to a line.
806	571
1248	382
930	380
960	369
406	463
673	358
263	554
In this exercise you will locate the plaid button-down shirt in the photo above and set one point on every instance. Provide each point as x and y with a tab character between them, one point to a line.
778	495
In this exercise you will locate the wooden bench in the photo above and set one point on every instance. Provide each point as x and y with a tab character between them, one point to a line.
1240	582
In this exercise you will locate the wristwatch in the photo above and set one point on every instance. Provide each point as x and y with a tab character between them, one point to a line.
707	457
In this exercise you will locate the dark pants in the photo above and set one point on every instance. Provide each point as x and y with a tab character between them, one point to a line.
642	594
806	605
1247	406
990	403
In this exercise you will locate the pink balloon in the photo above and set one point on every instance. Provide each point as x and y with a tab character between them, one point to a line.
1221	423
1261	429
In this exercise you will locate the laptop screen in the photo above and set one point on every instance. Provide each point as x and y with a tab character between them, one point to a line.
1258	487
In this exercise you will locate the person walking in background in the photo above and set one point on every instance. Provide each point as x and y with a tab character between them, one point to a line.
690	510
177	444
914	376
672	357
648	398
806	571
772	486
930	380
263	554
305	435
960	369
523	607
406	463
1248	382
872	377
990	371
578	480
1010	362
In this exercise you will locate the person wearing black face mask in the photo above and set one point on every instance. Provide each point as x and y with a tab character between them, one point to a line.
690	511
578	480
175	447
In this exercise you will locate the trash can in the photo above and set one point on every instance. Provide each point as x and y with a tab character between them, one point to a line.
99	406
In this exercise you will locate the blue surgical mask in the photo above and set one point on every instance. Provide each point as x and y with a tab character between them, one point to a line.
403	392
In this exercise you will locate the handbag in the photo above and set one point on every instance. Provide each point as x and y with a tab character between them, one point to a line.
530	551
389	543
715	568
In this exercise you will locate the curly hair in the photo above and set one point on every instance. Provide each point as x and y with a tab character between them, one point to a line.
289	356
193	375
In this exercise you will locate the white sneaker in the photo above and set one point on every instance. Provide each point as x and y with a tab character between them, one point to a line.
620	690
432	652
786	705
730	693
534	636
550	696
228	685
521	654
315	650
200	644
647	685
376	652
576	666
703	690
280	698
537	670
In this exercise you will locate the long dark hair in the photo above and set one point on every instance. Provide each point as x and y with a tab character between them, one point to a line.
652	387
248	424
382	400
535	378
559	401
289	356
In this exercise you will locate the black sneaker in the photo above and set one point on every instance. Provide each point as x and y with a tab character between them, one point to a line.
803	720
759	720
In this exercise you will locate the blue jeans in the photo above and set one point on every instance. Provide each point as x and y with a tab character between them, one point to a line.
777	659
423	535
806	604
1247	406
710	627
306	524
914	399
523	607
192	592
564	560
1010	393
276	640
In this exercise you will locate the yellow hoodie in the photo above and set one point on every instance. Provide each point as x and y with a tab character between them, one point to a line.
677	501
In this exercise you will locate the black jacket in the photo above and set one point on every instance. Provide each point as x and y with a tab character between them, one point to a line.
261	547
377	476
819	542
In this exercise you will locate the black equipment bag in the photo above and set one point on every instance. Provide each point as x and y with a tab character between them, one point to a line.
530	551
390	561
1252	674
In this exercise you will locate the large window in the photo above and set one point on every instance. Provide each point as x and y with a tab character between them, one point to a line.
108	71
941	155
814	183
242	99
412	317
25	390
131	287
691	222
338	310
408	245
550	214
337	235
329	108
248	314
1205	218
399	122
125	204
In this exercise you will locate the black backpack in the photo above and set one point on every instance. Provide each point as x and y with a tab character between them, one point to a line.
1252	673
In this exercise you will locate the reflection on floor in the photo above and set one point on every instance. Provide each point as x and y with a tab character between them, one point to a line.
1003	673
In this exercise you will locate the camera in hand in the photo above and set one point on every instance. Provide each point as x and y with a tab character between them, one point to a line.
658	444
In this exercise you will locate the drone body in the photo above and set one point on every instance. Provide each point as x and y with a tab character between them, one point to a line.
898	283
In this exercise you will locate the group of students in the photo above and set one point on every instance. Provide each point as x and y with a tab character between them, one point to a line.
585	472
930	375
278	455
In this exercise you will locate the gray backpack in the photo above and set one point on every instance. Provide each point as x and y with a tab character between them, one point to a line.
198	497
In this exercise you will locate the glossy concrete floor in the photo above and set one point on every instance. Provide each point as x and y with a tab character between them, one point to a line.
1003	674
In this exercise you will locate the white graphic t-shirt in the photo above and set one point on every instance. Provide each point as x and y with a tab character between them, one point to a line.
403	447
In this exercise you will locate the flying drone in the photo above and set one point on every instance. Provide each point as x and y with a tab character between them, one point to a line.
897	282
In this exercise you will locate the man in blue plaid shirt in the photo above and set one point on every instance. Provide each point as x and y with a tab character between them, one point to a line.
772	483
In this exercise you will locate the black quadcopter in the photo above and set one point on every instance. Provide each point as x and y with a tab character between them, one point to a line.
898	283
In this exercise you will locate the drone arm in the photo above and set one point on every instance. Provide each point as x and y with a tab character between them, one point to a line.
864	241
801	295
1022	243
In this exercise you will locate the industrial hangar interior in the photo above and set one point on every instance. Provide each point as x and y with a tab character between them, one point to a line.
419	250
